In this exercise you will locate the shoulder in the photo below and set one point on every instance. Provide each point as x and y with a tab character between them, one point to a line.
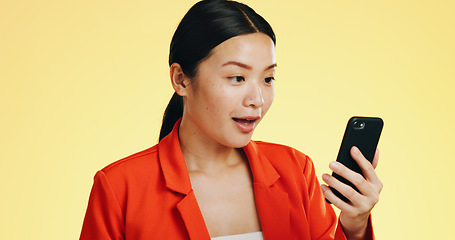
279	154
271	148
140	161
129	177
279	150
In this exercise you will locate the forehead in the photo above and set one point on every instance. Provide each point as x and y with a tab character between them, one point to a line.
256	50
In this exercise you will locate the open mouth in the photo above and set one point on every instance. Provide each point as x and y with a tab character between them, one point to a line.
244	121
246	124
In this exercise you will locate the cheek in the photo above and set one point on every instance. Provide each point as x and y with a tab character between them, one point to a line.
214	101
268	96
224	97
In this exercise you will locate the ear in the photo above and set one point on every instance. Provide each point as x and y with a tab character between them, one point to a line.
180	81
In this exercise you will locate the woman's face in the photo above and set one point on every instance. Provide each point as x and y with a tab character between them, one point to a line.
232	90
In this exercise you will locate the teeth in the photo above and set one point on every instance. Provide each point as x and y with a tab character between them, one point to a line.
244	121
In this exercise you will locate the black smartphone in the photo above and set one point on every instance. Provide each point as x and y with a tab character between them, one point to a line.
364	133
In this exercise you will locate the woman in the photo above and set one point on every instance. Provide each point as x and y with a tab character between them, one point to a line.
206	178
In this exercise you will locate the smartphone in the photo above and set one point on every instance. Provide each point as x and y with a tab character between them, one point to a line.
364	133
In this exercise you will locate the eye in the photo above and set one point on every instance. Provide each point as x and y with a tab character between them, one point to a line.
269	80
237	79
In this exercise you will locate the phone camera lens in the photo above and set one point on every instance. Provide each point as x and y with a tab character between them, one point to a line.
359	125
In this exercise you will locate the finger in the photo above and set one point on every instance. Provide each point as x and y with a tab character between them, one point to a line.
353	177
358	202
346	190
329	195
364	164
367	169
375	159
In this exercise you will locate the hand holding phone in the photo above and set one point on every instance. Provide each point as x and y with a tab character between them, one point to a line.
364	133
355	213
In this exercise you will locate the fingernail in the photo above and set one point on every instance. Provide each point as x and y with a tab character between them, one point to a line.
355	150
325	177
333	165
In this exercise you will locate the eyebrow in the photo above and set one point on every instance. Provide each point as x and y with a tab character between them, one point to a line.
246	66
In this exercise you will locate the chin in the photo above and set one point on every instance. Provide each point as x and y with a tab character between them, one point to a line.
240	142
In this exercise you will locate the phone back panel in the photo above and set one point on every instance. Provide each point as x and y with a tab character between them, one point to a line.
364	133
364	137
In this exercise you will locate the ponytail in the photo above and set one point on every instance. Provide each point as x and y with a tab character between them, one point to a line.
173	112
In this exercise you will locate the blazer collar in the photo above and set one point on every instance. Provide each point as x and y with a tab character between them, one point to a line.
261	168
172	163
178	180
272	203
176	173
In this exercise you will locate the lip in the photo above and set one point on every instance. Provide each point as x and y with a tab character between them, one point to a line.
246	124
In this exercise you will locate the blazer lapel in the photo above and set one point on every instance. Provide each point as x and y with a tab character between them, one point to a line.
192	217
178	180
271	202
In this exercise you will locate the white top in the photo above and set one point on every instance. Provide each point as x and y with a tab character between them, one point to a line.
243	236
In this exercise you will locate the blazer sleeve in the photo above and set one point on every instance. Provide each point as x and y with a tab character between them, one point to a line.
104	217
323	220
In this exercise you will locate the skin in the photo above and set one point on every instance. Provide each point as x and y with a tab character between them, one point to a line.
233	84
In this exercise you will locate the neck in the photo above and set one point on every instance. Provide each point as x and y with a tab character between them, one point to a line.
204	155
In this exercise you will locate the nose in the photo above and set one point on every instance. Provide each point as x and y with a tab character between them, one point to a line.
254	97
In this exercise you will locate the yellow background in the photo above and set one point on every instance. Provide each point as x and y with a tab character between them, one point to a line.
84	83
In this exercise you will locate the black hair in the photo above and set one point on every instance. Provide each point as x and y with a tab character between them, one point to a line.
206	25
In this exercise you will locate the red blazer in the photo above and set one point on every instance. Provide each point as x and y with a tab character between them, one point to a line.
148	196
